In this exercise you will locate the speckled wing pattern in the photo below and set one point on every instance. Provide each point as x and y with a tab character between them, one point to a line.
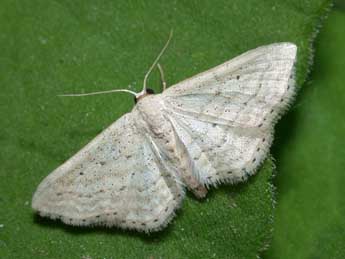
117	179
225	116
214	127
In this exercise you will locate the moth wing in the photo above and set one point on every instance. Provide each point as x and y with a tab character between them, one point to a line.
117	179
225	116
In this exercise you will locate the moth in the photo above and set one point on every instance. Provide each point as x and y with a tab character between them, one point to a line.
213	128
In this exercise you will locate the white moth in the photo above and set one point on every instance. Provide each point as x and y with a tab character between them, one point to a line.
213	128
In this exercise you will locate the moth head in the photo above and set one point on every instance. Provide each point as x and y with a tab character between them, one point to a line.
140	96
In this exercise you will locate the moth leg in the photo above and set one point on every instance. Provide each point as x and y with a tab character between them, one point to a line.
164	84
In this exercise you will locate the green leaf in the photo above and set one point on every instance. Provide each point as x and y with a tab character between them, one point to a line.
310	156
55	47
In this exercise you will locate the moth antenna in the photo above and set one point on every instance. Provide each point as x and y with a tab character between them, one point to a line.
103	92
156	61
145	78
